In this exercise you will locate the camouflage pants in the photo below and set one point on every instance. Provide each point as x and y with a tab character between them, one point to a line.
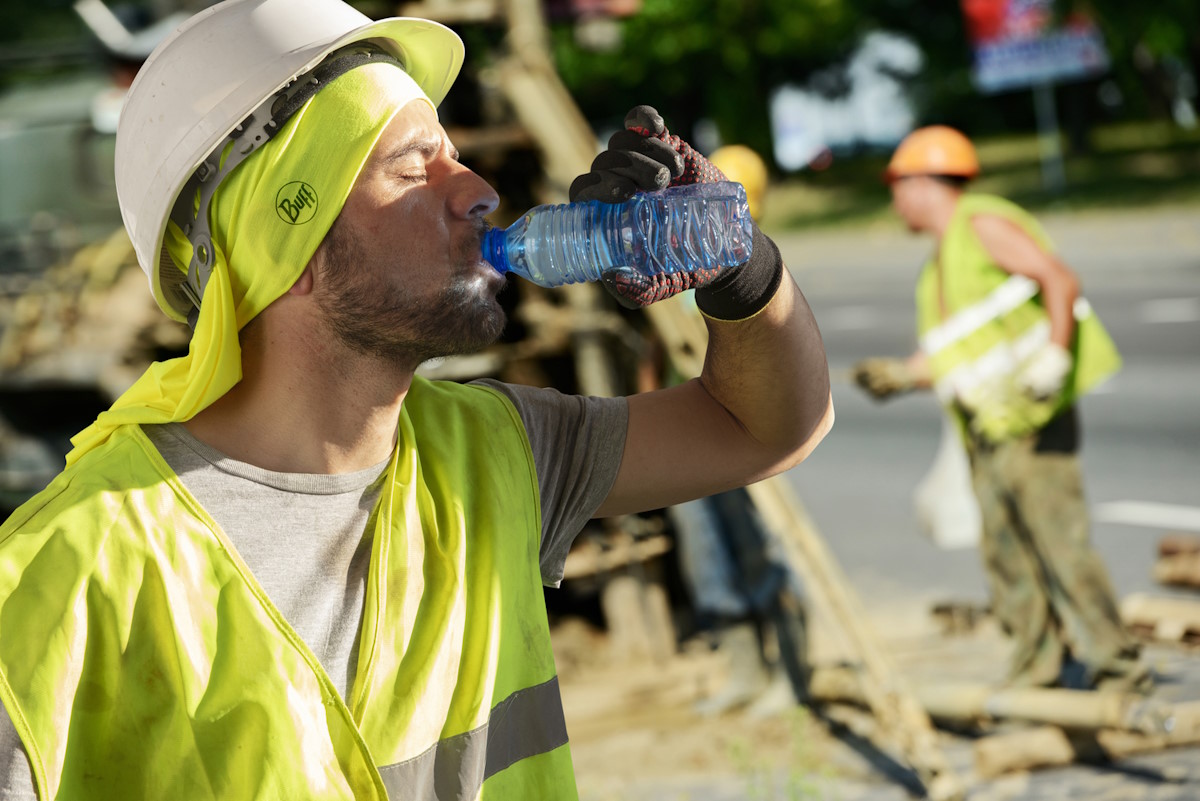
1050	590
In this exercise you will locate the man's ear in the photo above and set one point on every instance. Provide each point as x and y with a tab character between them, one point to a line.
304	284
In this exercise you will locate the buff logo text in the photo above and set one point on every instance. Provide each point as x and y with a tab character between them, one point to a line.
296	203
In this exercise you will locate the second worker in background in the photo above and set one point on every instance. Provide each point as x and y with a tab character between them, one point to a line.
1009	345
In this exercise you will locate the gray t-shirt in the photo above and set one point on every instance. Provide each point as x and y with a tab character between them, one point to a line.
306	537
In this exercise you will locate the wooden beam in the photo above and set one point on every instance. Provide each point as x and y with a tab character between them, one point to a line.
1052	746
900	716
972	702
1171	619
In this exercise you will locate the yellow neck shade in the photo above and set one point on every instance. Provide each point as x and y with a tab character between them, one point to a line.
267	219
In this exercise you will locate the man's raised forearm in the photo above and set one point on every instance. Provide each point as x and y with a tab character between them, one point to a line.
770	373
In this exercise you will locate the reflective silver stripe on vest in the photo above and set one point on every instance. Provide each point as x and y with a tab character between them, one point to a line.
1001	360
996	364
999	302
527	723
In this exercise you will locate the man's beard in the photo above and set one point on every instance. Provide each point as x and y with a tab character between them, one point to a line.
376	317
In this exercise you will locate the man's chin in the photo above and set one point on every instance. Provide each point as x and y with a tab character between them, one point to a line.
492	326
477	327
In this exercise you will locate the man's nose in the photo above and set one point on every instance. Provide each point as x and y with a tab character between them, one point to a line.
473	196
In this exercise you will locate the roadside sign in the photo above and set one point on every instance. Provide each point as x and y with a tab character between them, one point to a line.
1019	43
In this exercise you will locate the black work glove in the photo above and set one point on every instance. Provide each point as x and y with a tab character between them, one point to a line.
646	157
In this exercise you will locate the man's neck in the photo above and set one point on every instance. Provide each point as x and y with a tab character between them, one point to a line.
305	404
942	212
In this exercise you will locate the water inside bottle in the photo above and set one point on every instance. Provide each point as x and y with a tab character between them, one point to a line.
682	229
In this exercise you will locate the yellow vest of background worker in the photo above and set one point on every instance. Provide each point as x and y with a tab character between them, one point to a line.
992	322
143	660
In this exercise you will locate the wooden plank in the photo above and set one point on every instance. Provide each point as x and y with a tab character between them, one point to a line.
1028	749
898	713
891	700
531	84
589	557
1044	747
1179	569
1178	543
973	702
1170	619
1185	730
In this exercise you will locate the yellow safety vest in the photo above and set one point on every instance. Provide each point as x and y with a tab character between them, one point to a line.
994	321
140	659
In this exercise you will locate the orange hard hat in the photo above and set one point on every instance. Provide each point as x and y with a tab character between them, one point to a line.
934	150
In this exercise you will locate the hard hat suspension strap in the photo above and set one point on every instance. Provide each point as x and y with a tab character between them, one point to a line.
251	134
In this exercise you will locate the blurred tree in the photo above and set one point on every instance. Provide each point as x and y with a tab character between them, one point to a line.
36	38
707	58
49	19
722	58
47	38
1166	27
944	92
1152	45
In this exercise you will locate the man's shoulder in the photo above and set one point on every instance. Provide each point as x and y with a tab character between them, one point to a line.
478	391
983	203
981	209
996	223
451	415
479	399
95	491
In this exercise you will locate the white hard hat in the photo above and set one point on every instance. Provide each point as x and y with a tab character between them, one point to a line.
202	83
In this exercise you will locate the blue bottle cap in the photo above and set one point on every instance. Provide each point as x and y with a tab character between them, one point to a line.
495	249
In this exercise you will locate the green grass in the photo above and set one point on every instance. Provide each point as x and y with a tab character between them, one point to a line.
1131	165
804	777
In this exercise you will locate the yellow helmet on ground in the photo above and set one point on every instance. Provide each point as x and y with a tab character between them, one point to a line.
743	165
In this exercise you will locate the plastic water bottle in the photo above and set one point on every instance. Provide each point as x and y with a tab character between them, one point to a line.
679	229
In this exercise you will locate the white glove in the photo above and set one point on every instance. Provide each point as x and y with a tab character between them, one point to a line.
1044	374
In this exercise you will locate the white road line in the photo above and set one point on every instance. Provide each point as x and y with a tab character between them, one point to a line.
1151	515
1170	310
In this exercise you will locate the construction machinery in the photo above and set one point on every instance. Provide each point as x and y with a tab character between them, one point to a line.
77	325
